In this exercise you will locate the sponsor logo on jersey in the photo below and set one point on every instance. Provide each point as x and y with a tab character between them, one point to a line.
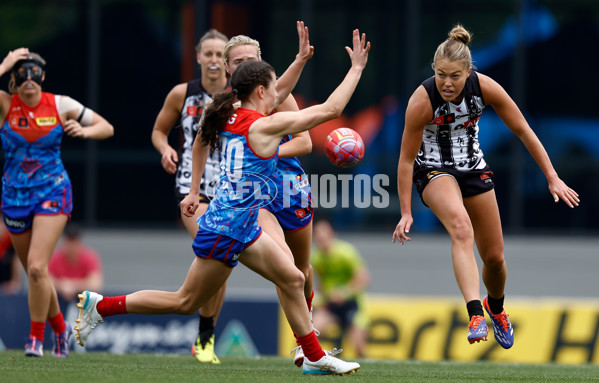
15	223
23	122
486	177
50	205
471	123
303	212
192	111
444	119
45	121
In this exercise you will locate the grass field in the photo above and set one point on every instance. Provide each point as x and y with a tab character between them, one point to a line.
147	368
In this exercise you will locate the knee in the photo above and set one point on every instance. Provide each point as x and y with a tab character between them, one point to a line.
461	230
308	272
493	257
295	281
36	272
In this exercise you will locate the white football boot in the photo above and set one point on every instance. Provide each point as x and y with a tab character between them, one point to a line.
88	315
329	365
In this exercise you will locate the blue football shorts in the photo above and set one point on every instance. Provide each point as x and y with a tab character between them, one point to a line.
18	219
217	246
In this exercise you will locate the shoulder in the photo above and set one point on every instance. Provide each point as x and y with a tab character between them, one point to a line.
491	90
420	106
5	101
195	87
178	90
176	96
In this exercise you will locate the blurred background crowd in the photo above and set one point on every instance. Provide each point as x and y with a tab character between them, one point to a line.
120	57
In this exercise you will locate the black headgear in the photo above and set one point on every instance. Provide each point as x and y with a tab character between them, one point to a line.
31	67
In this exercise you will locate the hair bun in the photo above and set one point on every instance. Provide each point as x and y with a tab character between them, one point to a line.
461	34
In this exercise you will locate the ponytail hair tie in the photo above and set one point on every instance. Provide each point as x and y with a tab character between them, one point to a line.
235	91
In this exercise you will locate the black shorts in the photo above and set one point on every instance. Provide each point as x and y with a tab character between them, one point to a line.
471	183
344	312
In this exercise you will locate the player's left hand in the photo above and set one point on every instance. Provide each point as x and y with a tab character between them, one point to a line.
559	190
306	51
73	129
402	229
359	53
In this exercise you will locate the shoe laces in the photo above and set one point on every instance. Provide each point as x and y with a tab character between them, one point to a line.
503	321
335	351
475	322
295	349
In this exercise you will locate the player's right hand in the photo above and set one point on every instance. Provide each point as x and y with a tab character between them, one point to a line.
169	160
190	204
13	57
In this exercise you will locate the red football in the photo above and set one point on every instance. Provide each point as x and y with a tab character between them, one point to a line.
344	147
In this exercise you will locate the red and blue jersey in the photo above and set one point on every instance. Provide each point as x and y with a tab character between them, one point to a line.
246	182
31	140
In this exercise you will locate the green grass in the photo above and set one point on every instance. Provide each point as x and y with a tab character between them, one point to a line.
146	368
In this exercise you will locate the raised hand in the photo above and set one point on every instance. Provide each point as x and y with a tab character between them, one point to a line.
359	53
306	51
12	58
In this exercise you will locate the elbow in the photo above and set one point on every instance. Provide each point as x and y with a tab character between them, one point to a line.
335	112
308	147
110	131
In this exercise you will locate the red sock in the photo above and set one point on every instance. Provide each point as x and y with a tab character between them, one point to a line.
311	347
37	330
57	323
309	301
112	306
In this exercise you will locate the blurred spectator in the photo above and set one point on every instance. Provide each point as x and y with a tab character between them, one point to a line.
75	267
341	279
10	271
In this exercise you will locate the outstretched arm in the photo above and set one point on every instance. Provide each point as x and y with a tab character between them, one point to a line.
509	112
266	132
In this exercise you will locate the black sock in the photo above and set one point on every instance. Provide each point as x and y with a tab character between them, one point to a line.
206	329
496	305
474	308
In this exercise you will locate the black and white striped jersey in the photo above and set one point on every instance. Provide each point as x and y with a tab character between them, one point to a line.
196	100
450	140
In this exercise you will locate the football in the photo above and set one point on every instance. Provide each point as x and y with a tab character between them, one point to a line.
344	147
